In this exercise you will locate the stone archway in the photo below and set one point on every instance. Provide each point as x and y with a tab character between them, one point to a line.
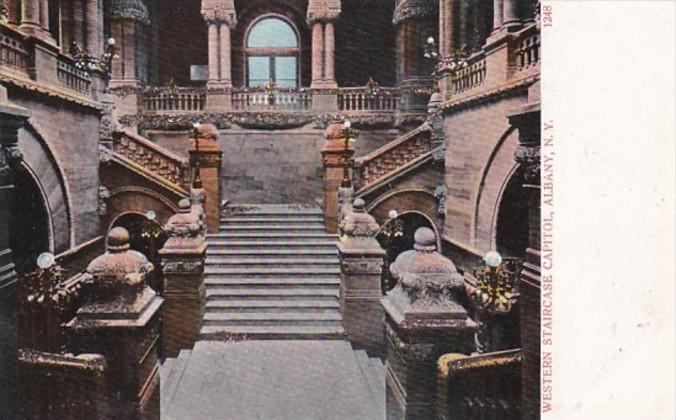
511	227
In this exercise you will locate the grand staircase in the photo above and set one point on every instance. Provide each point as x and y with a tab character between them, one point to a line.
272	272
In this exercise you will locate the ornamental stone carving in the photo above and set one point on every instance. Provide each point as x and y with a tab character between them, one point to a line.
130	9
104	195
358	223
185	266
219	11
440	194
528	156
408	9
10	156
186	223
323	10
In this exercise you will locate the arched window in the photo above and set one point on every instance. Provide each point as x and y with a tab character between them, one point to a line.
272	53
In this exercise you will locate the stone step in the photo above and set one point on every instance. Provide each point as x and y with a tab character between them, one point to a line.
272	219
287	332
238	261
168	391
251	209
328	317
243	306
217	280
266	271
266	293
325	243
279	235
235	226
255	252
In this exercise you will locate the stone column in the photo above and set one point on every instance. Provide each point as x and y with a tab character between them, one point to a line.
498	11
361	266
423	321
329	55
317	54
225	55
446	27
79	23
206	154
334	154
12	119
94	28
527	121
44	16
221	18
183	268
13	15
121	321
214	73
128	19
30	17
511	18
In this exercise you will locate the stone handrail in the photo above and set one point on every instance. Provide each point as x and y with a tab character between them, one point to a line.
528	49
13	51
178	99
364	99
151	157
470	77
277	100
71	77
387	160
473	387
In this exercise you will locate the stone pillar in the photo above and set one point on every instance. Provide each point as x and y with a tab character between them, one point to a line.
121	321
214	73
44	16
206	155
361	266
13	15
30	17
94	28
329	55
12	119
317	54
446	27
221	18
128	20
79	23
334	155
498	11
423	321
527	121
511	18
225	55
183	268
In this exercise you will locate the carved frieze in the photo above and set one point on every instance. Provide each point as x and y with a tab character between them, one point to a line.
361	265
182	266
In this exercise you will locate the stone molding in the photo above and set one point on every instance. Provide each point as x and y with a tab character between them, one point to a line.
219	11
130	9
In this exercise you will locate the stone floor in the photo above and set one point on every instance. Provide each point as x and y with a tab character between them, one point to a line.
294	380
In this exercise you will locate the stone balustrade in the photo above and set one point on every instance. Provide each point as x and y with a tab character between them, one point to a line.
470	77
528	50
151	157
364	99
393	157
472	387
159	100
278	100
13	52
72	78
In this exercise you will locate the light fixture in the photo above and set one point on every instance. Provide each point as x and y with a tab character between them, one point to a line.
493	259
151	215
45	260
392	214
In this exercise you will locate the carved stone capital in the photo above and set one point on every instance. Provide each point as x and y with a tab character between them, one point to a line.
323	11
528	156
10	156
130	9
409	9
219	11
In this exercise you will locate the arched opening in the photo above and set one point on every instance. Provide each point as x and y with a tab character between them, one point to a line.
272	53
147	237
396	236
511	232
30	225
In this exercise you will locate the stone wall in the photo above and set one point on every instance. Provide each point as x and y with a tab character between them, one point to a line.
272	166
70	136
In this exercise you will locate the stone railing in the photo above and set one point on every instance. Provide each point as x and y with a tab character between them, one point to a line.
528	50
393	157
480	387
151	157
277	100
364	99
470	77
13	51
71	77
178	100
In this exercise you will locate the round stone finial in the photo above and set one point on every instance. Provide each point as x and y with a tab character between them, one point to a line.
359	205
425	239
334	130
184	206
117	239
207	131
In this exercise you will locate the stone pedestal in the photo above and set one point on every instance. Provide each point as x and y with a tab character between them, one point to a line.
335	154
205	159
12	119
182	259
361	267
423	321
121	322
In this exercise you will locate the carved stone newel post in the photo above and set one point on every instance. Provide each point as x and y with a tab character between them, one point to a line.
183	267
423	321
121	321
206	155
335	153
361	266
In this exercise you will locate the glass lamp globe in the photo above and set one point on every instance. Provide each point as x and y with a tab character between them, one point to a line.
347	124
151	215
493	259
111	41
430	40
392	214
45	260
